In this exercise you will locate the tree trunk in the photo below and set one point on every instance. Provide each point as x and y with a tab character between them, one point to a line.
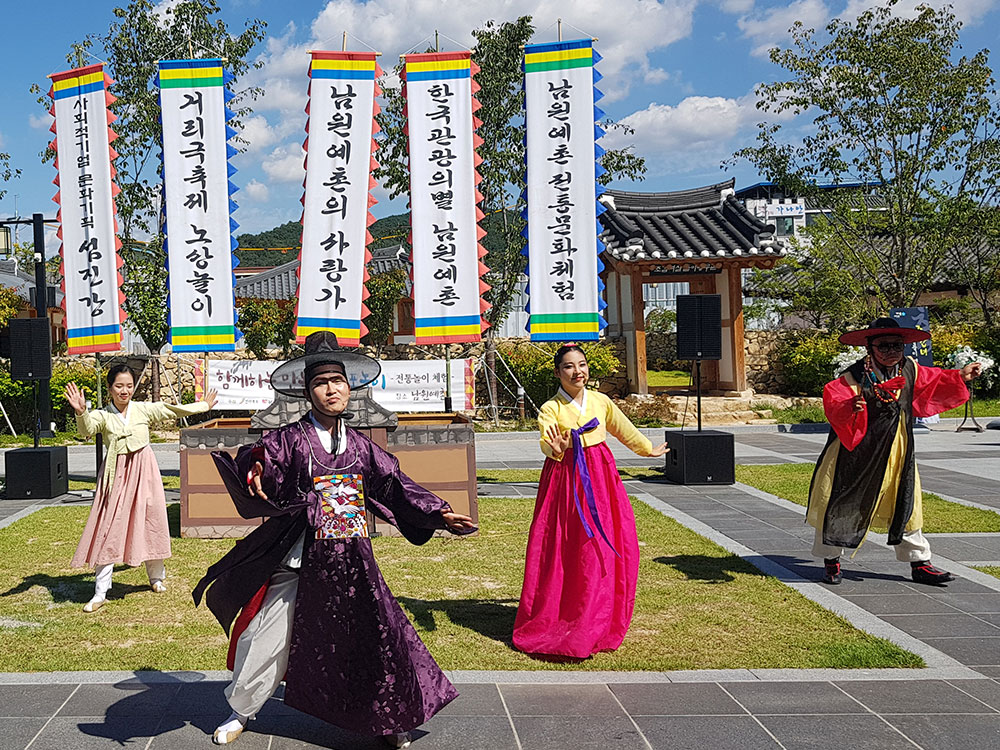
154	377
491	375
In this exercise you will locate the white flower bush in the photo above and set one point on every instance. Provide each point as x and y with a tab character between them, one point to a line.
845	359
967	355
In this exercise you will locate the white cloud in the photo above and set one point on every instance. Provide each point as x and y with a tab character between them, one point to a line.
285	164
40	122
696	133
969	12
769	28
259	134
655	75
736	6
256	191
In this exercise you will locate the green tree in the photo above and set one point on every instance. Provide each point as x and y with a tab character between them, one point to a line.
265	322
7	173
139	36
10	305
384	290
895	108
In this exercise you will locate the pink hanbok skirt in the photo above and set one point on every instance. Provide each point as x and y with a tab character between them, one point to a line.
128	521
578	595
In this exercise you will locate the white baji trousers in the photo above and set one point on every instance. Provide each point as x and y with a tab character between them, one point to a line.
155	569
262	649
913	548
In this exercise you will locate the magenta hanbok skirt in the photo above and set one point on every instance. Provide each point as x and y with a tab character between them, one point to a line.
578	595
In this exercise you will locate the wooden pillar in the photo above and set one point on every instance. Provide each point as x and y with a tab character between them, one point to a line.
737	336
635	336
613	312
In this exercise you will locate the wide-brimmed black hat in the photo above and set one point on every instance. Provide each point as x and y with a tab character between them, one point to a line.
883	327
322	348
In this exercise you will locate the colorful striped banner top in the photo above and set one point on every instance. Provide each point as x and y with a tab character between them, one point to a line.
78	82
347	67
437	70
189	74
558	56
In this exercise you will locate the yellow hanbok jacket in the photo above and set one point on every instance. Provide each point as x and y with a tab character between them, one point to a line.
132	433
563	411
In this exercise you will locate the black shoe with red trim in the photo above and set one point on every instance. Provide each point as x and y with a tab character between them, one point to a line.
924	572
831	571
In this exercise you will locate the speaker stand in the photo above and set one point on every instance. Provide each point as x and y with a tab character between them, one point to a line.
38	424
697	380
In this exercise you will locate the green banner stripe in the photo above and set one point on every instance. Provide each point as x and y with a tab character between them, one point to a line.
202	330
564	318
189	83
558	65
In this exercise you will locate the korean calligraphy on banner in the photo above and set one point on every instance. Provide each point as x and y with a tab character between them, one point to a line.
197	204
564	286
444	198
87	224
335	218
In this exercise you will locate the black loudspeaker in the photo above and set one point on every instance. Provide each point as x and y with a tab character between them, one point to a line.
36	473
30	349
699	326
705	457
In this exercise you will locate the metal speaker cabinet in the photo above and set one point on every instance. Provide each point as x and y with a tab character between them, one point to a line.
37	473
705	457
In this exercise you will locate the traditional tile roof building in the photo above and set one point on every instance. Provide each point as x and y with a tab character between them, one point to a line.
704	236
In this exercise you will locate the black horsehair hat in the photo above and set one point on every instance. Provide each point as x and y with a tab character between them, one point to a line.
322	348
883	327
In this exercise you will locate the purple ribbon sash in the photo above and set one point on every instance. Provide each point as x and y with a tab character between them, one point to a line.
581	472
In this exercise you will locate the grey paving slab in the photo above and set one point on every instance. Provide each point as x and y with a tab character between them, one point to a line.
978	603
560	700
95	732
33	700
114	701
548	732
16	733
699	733
928	696
987	691
977	651
792	698
302	731
835	732
198	733
677	699
929	626
463	732
199	699
476	700
950	732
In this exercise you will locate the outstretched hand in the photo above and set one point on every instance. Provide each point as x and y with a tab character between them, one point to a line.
660	450
253	480
75	398
971	371
457	522
211	398
557	439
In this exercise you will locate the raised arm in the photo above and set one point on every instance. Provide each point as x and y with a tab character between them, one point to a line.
87	423
937	390
846	410
622	428
554	440
158	410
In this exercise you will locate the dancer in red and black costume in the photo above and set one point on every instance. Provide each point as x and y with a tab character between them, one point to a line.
866	476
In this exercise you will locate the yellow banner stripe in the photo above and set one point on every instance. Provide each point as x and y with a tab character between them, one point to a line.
569	54
109	338
341	333
72	83
192	340
168	74
448	330
423	67
565	328
343	64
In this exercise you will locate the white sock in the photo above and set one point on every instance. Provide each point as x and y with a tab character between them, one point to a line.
234	722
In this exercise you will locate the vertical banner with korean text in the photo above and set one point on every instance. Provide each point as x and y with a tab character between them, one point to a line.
335	217
197	204
564	286
91	267
448	270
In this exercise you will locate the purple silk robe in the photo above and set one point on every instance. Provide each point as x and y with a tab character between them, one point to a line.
355	659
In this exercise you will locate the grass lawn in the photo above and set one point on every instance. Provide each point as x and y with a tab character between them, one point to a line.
169	483
991	571
667	378
982	407
698	606
791	481
503	476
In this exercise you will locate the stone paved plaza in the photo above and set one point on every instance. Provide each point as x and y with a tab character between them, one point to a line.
953	703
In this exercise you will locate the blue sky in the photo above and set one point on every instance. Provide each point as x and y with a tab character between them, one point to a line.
681	72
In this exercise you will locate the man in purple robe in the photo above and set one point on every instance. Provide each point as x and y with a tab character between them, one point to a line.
315	610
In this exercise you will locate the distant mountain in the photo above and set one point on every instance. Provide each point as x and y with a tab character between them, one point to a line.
387	231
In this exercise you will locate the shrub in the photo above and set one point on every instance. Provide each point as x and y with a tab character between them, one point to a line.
661	320
807	360
265	322
533	367
18	398
946	339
